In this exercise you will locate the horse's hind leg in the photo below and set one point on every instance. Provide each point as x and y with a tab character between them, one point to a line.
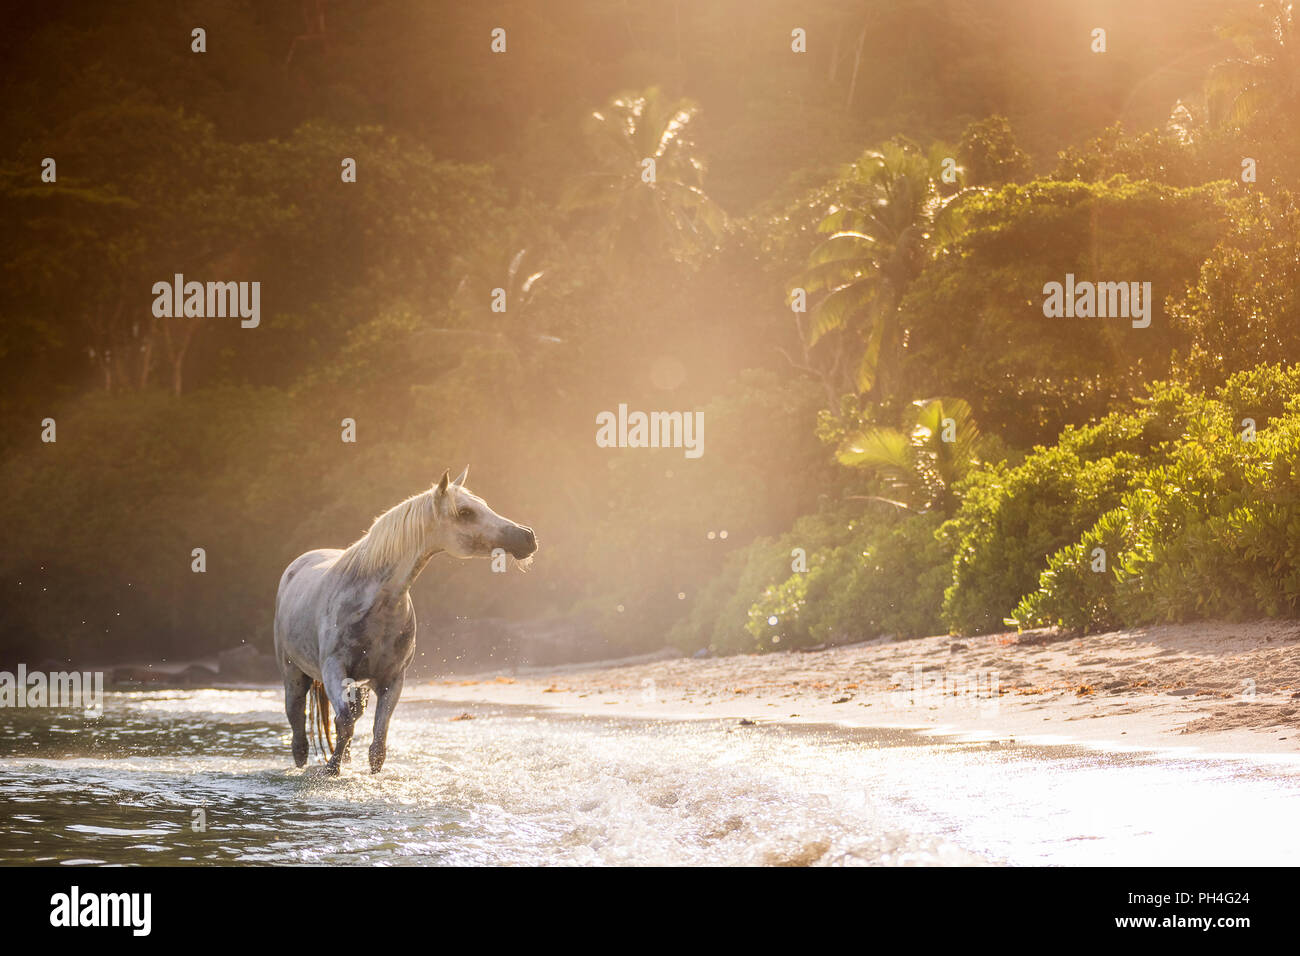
388	696
341	693
296	686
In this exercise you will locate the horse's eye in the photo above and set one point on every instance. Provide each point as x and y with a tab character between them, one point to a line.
465	514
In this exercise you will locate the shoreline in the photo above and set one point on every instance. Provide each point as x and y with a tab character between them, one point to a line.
1205	689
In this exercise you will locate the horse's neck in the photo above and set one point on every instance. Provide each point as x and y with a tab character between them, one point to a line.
409	571
397	579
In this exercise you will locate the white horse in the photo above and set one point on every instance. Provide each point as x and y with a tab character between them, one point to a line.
344	623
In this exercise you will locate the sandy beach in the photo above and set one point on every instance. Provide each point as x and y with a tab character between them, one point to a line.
1205	688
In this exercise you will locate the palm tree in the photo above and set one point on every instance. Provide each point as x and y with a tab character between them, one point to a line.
893	215
668	212
1263	81
486	267
939	445
483	269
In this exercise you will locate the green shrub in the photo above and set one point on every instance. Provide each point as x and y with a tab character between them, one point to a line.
882	573
1013	518
716	621
1193	519
1210	531
886	578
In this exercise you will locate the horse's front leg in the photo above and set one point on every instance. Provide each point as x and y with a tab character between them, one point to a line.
341	692
387	700
357	695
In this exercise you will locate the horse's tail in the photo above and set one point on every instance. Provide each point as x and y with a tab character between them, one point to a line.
318	716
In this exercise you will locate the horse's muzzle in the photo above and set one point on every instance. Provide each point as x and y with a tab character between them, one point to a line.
525	543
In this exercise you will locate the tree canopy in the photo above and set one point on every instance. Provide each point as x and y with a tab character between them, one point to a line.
838	252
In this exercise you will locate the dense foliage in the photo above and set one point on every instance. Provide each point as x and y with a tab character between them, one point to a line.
1208	527
841	261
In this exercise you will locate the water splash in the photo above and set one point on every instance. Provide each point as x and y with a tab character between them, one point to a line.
513	786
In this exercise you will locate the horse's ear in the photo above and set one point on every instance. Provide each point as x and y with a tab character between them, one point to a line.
442	485
460	482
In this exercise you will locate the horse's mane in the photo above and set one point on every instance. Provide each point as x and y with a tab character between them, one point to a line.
398	532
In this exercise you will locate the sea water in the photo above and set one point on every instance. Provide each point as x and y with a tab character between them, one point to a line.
205	777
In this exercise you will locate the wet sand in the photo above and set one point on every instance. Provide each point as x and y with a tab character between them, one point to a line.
1205	688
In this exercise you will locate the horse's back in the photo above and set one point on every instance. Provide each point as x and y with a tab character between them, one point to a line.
318	561
295	600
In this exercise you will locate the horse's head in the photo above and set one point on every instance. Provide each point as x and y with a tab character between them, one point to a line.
470	529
